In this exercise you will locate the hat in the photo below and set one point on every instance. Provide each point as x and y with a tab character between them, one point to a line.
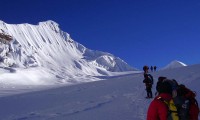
161	78
165	87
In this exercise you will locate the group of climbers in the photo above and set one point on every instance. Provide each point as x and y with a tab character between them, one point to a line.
152	68
172	101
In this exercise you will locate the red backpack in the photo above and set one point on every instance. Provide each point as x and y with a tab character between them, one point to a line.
186	103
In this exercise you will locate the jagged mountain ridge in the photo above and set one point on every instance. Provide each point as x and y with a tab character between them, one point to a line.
46	45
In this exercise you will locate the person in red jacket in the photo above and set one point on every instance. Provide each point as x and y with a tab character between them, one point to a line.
158	110
184	105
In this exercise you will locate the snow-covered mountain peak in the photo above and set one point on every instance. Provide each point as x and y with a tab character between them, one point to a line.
178	62
46	46
174	64
53	25
49	22
1	21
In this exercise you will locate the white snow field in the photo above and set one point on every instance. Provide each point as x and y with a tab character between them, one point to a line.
115	98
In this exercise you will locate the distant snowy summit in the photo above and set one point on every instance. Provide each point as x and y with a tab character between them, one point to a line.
174	64
46	45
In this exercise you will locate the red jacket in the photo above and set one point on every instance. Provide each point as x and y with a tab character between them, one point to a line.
193	110
158	109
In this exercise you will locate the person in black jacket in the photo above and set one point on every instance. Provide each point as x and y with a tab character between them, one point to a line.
148	83
154	68
151	68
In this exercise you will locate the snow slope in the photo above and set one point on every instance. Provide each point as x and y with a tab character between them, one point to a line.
174	64
120	97
51	52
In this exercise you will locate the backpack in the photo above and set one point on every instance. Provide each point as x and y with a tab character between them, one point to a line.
186	103
151	78
172	109
183	106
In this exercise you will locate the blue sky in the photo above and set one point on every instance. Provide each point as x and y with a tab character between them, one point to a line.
141	32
